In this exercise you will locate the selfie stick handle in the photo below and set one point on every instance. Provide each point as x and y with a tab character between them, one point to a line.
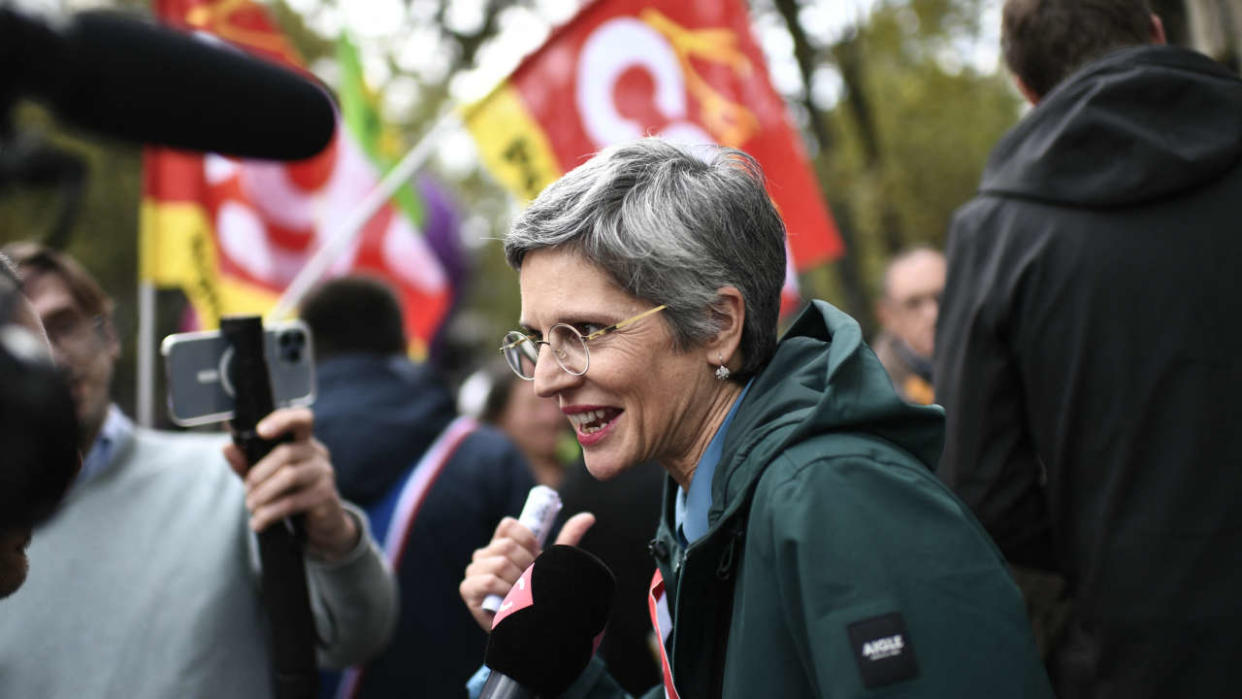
285	593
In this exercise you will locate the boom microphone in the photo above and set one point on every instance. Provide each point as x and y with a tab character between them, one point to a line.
148	84
544	634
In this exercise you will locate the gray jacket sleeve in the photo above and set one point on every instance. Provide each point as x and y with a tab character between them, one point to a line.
354	600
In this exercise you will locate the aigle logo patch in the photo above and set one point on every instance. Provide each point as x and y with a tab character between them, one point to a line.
882	650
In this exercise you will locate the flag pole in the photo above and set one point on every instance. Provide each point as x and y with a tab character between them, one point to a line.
339	239
146	354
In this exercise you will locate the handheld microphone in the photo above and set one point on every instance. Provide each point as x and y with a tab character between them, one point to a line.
542	506
148	84
545	632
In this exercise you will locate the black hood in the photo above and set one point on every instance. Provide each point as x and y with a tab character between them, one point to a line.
377	415
1106	136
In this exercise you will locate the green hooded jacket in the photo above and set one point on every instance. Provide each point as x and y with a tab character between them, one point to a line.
836	564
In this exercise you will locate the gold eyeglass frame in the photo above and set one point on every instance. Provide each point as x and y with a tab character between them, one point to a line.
584	338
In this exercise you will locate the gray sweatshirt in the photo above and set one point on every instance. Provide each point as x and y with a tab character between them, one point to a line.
145	584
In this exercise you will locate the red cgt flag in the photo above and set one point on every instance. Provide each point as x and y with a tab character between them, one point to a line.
687	70
234	233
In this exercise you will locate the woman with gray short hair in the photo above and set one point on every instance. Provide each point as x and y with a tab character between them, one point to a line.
805	547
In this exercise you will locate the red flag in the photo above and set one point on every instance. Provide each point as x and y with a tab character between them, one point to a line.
233	233
688	70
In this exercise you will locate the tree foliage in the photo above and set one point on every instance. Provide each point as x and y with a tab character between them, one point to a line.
104	234
905	144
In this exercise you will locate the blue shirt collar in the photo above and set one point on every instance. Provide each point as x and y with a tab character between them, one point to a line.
115	430
692	507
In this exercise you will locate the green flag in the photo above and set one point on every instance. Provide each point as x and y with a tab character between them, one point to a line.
359	107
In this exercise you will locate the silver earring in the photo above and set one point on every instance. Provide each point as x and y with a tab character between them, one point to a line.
722	371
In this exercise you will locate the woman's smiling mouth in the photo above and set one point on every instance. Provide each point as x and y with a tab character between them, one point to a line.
591	423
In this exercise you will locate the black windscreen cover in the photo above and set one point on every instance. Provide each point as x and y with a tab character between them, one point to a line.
547	645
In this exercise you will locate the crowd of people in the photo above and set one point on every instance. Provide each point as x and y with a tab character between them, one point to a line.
1024	486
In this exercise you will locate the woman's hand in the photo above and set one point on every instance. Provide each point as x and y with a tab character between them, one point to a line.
495	567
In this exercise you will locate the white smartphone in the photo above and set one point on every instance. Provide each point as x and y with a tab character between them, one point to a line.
197	367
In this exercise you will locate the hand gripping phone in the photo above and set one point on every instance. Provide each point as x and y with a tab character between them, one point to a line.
197	364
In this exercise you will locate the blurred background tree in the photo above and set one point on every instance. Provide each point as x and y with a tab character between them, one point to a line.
900	108
899	103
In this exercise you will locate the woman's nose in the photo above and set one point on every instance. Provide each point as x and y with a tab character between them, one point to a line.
550	378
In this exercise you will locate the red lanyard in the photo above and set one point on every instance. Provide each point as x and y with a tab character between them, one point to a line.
657	604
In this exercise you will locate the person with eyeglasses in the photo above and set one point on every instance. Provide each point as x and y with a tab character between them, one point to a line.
913	283
146	581
805	548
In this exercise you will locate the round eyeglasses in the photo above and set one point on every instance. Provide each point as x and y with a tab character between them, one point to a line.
568	346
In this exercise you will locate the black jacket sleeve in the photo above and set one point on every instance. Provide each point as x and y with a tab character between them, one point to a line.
989	457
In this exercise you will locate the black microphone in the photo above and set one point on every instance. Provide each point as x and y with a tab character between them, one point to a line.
38	425
544	633
149	84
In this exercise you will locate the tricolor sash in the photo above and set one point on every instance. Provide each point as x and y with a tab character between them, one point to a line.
394	516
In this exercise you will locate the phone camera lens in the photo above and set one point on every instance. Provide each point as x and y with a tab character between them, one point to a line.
291	344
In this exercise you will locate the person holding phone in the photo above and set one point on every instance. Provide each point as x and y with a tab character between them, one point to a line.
148	583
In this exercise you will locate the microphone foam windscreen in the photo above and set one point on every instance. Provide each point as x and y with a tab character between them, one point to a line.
546	645
149	84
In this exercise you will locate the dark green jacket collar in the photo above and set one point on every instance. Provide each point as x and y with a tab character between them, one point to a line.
823	378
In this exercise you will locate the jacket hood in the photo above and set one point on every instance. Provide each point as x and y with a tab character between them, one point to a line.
376	415
1107	136
823	378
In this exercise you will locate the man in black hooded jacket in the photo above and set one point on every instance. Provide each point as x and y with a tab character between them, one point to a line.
1089	354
